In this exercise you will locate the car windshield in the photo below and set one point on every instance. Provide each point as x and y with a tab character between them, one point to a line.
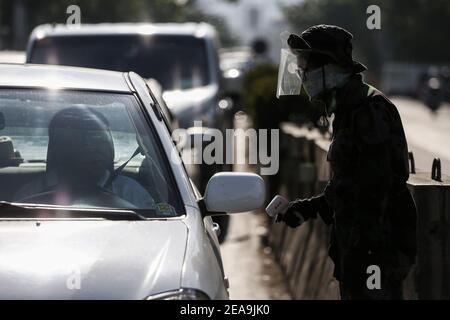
69	148
177	62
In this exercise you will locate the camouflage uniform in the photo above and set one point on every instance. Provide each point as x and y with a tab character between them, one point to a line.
374	215
366	201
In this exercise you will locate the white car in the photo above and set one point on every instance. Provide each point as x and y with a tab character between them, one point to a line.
94	201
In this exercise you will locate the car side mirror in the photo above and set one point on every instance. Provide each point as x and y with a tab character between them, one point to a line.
234	192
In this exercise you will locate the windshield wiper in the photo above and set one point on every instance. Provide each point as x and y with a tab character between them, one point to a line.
36	211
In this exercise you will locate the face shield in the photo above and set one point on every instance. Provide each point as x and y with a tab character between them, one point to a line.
290	74
296	70
299	73
302	69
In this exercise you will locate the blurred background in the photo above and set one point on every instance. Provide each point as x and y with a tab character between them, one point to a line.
410	47
412	33
408	58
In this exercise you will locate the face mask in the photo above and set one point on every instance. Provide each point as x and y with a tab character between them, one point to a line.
335	77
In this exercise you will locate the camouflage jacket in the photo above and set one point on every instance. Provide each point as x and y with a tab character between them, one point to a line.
372	208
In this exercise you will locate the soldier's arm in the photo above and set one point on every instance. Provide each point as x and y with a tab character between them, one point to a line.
309	208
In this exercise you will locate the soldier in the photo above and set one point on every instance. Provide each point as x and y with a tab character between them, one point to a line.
366	201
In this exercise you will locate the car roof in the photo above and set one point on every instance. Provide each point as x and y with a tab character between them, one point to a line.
12	57
59	77
190	28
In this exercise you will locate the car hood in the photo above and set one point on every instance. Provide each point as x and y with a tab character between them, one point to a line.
90	259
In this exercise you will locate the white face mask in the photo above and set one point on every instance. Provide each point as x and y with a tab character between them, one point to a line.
335	77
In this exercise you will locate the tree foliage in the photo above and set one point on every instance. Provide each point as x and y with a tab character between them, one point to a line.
261	103
97	11
411	30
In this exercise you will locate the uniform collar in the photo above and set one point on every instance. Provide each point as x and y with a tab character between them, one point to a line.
349	96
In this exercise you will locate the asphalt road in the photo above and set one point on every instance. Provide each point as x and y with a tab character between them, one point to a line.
428	135
248	263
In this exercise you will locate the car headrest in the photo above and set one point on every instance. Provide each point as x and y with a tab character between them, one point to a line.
79	133
8	157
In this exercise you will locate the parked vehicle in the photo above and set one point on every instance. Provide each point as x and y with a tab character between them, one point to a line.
235	63
12	57
183	58
94	200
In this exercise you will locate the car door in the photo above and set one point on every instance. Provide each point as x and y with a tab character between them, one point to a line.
210	228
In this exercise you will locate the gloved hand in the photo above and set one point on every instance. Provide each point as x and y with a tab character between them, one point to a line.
298	212
291	217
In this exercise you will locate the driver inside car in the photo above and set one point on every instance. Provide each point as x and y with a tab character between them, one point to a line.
80	166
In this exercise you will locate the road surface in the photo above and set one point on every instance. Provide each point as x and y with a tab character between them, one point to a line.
428	135
248	263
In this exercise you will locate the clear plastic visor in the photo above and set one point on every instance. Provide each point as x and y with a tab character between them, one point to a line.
291	72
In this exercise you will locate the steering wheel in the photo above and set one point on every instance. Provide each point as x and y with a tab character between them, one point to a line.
97	197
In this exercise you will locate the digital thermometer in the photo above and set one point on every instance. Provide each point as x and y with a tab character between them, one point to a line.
278	205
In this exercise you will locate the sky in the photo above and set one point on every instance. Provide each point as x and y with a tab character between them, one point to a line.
252	19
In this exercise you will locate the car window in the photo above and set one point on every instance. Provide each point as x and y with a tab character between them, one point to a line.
82	149
176	62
